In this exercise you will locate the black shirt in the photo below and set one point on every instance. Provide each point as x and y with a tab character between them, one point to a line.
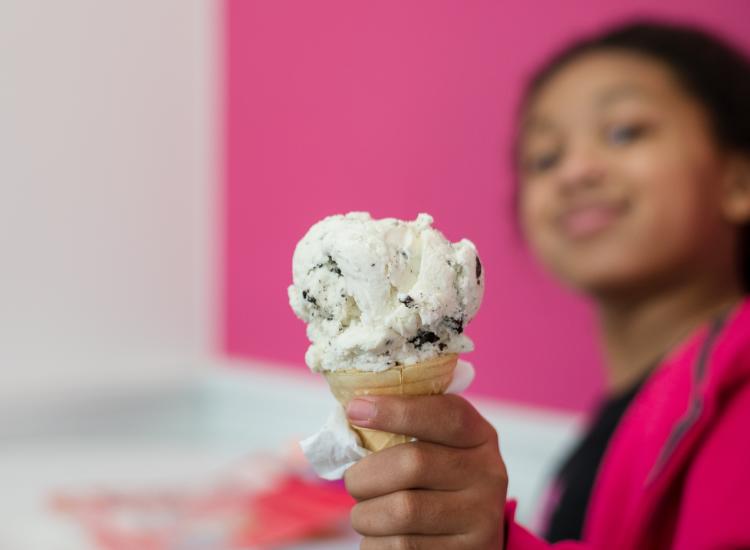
575	479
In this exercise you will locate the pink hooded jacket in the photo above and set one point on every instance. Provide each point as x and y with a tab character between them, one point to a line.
676	473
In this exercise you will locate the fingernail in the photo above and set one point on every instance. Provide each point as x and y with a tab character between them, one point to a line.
360	410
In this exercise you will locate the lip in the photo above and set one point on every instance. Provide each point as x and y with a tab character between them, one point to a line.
588	220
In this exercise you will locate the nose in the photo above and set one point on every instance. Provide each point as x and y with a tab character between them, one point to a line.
582	166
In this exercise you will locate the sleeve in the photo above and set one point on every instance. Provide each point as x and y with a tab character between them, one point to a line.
518	538
714	509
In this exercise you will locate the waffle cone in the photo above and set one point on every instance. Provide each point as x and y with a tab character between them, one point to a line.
429	377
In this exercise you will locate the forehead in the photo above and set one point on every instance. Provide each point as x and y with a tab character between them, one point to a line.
595	80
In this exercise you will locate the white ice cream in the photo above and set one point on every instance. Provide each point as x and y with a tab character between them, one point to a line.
381	293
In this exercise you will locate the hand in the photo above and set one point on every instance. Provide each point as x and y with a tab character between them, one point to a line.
447	490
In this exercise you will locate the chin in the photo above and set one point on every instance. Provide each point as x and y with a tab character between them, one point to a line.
606	279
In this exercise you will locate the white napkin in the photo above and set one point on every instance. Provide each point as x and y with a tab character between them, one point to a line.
336	446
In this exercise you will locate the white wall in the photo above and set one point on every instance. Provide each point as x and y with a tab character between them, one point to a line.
108	172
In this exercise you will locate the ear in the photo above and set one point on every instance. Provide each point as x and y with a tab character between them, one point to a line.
736	196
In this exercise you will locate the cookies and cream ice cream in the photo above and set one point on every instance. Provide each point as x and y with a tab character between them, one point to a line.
376	294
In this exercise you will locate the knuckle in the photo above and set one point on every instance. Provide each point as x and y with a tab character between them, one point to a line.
496	477
503	475
463	415
492	435
455	421
414	460
405	543
500	474
488	432
405	413
406	507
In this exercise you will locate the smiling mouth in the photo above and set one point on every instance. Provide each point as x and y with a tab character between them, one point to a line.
588	221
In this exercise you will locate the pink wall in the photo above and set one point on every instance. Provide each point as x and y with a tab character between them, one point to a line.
399	107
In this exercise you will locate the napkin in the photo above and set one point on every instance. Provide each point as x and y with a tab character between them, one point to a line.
336	446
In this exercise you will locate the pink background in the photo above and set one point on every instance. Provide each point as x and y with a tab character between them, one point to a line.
398	107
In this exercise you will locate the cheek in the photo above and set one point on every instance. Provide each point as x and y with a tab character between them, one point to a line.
676	195
533	211
673	226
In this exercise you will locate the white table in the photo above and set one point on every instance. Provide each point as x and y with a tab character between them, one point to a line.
191	431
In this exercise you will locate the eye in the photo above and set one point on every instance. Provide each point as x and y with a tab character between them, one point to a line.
541	162
624	134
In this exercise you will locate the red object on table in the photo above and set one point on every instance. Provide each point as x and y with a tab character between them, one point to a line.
292	509
295	510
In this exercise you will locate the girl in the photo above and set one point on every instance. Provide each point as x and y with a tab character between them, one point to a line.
633	156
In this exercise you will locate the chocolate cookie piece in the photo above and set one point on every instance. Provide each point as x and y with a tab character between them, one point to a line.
408	301
309	297
456	324
423	337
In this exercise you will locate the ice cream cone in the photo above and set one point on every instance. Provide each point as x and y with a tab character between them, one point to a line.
429	377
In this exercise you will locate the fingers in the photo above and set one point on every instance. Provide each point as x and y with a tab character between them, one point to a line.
417	465
444	419
411	513
446	490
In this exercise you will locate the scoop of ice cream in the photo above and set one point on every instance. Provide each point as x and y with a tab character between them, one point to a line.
381	293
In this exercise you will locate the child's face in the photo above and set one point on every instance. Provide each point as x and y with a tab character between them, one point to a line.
621	177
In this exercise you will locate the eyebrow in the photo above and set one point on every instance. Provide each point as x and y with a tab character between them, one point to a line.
536	124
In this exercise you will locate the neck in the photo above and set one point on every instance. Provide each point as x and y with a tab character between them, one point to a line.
638	330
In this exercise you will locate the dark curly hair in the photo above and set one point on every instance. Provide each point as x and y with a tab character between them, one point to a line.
710	69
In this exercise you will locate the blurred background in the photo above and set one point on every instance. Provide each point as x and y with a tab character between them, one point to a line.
159	160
